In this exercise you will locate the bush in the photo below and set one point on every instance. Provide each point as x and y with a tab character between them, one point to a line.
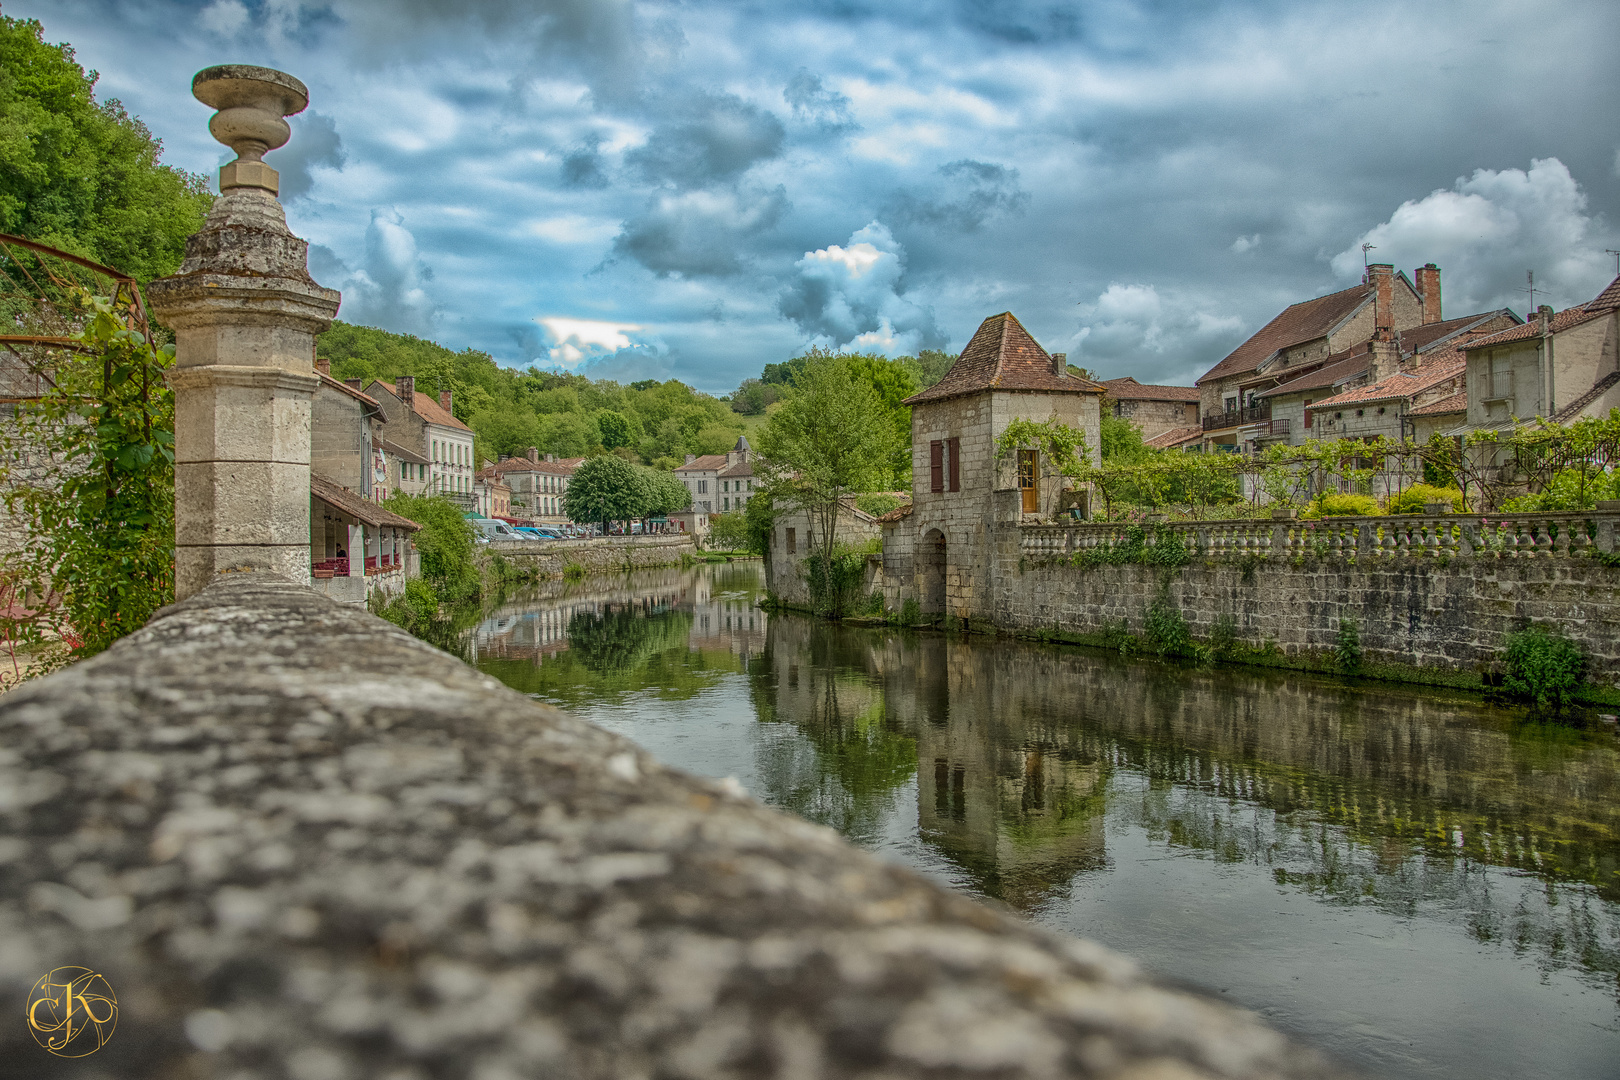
876	503
910	612
1543	666
1335	504
1166	629
445	542
728	532
1416	497
1347	647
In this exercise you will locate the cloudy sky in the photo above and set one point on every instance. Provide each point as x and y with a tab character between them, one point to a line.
693	189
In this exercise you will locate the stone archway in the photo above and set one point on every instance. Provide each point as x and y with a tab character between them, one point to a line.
931	573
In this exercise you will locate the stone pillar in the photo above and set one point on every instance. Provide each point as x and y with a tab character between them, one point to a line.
245	313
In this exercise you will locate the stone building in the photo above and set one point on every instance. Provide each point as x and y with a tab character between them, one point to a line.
1328	332
427	428
537	485
1562	366
1153	409
719	483
409	473
938	549
345	436
493	494
1297	404
796	536
357	548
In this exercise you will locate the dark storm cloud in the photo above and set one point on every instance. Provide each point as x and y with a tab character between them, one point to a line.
813	103
707	139
967	195
702	233
315	142
582	168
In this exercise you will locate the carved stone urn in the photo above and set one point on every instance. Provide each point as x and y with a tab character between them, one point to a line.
253	103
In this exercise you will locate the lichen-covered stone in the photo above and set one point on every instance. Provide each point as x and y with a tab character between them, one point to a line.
302	844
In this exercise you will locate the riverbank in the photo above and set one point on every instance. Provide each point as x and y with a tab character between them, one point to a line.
582	558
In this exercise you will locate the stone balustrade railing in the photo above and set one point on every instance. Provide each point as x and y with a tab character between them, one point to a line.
1562	535
299	843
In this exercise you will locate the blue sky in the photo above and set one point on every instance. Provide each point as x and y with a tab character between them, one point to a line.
694	189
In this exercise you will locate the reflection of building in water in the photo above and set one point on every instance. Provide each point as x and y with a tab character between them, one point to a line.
1011	799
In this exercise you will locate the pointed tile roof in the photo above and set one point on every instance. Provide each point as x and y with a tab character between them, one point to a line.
1456	403
1608	298
1297	324
1126	388
1003	356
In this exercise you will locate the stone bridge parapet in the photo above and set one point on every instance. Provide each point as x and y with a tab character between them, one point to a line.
300	843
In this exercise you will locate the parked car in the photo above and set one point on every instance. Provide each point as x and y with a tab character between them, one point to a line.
492	531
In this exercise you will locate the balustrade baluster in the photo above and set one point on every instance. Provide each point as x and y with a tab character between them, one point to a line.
1388	546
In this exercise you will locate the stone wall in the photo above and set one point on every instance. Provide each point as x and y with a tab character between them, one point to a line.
604	556
299	843
1412	611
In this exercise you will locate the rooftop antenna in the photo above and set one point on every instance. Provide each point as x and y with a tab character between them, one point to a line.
1364	249
1530	276
1616	254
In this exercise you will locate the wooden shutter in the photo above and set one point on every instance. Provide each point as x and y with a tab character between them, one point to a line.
956	463
1308	416
936	466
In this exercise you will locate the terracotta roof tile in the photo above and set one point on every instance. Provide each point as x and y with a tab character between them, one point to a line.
1563	320
1340	368
706	463
1418	339
1003	356
1174	437
430	410
523	464
1608	298
352	504
742	468
395	450
1128	389
1456	403
358	395
1299	323
1573	409
1449	364
902	511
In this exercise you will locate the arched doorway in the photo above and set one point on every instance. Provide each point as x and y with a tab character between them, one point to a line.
931	573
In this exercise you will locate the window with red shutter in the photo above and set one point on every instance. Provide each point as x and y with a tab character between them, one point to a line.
956	463
936	466
1308	416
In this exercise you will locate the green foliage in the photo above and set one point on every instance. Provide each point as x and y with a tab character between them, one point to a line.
1166	629
910	612
1347	647
835	583
1168	549
1339	504
445	542
1117	636
1543	666
759	514
1416	497
830	439
616	430
877	503
1440	460
1063	447
665	494
728	531
753	397
98	557
573	572
84	175
606	489
1223	638
1571	489
1122	441
892	382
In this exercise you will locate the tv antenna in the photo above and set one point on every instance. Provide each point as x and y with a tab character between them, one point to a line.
1530	276
1364	249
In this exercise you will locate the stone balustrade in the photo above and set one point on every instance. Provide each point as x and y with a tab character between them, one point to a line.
1577	534
299	843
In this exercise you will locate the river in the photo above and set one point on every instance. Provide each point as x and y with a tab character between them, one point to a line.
1417	882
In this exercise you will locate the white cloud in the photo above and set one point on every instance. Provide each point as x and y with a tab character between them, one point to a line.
1487	230
575	341
572	229
851	296
389	290
1128	326
224	17
1246	243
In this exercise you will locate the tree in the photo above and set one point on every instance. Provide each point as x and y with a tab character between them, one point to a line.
84	175
606	489
892	381
753	397
831	439
1122	441
616	429
665	494
445	543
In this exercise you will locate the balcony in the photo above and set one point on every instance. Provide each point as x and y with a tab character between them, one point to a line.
1278	429
1254	414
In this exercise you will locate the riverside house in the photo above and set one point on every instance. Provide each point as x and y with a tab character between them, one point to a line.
428	429
719	483
537	486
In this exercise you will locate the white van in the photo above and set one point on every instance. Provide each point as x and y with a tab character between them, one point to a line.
492	531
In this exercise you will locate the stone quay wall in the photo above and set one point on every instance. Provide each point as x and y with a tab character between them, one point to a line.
602	556
1438	592
297	842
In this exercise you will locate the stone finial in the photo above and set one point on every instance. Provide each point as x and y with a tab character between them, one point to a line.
252	102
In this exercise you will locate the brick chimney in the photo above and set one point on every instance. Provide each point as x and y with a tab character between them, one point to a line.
1383	355
534	454
691	458
405	387
551	459
444	401
1428	287
354	384
1381	280
1060	364
324	366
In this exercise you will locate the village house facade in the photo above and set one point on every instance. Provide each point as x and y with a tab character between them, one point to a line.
1328	335
939	548
719	483
409	473
1153	409
493	494
428	429
537	484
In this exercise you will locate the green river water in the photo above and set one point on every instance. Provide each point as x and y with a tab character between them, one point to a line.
1418	883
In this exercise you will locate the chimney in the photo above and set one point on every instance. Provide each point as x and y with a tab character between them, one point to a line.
534	454
444	401
1383	356
1545	314
1428	287
1381	279
353	384
324	366
1060	364
691	458
551	459
405	387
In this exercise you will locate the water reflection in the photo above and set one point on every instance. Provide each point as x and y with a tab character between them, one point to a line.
1229	827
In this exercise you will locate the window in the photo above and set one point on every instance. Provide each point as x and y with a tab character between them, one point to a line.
1501	377
936	466
1231	404
703	487
725	504
954	447
792	541
725	485
1028	480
